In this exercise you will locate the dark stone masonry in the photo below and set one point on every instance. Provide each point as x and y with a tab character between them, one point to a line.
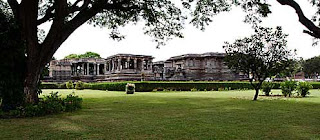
129	67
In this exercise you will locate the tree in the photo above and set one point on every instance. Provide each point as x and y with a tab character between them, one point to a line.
85	55
163	20
294	66
311	67
90	55
70	56
262	55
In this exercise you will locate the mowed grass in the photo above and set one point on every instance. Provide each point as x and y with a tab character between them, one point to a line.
174	115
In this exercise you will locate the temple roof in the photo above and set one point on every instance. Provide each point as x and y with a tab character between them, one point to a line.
208	54
130	55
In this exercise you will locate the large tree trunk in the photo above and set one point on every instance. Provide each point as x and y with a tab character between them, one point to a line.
38	55
27	17
31	82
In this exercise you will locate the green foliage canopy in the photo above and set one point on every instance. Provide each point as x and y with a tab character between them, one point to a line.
85	55
311	66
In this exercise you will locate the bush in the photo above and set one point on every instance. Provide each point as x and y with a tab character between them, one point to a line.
50	104
72	102
288	87
69	85
266	87
130	88
193	89
53	86
79	85
303	88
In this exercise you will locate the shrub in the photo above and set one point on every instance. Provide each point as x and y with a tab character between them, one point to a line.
303	88
130	88
79	85
52	86
69	84
72	102
52	103
288	87
193	89
49	104
266	87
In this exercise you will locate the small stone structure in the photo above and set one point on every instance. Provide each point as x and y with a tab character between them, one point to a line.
207	66
129	67
85	69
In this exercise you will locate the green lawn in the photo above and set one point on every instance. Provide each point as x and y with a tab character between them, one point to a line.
175	115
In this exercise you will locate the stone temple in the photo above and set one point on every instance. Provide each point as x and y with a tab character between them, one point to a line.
129	67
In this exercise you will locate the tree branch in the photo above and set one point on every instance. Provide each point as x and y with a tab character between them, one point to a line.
15	7
311	34
58	34
61	10
75	8
47	16
313	29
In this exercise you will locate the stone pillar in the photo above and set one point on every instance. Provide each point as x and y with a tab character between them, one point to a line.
88	70
98	69
119	64
112	65
82	69
142	65
94	69
109	66
104	68
147	65
187	62
135	67
128	62
150	65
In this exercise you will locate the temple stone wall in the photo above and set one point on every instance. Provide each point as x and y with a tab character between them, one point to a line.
128	67
207	66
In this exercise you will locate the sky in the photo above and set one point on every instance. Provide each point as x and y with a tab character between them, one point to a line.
225	27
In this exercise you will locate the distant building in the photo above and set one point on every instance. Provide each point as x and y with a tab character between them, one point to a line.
85	69
207	66
129	67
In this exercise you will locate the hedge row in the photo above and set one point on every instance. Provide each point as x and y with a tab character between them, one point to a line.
117	86
179	86
144	87
150	86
